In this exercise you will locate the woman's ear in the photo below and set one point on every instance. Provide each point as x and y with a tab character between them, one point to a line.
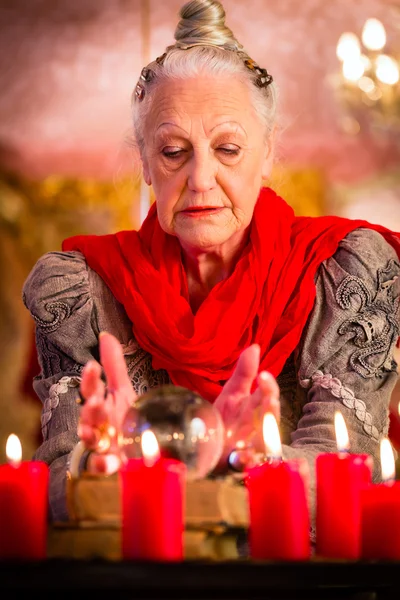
146	171
267	165
269	155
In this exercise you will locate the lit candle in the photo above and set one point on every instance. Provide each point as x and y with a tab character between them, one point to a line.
340	478
23	505
279	526
152	496
381	511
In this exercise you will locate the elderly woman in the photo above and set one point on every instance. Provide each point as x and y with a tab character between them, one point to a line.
222	290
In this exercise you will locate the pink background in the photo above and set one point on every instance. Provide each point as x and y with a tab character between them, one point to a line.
67	70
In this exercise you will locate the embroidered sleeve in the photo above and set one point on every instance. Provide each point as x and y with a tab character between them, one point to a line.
345	359
57	294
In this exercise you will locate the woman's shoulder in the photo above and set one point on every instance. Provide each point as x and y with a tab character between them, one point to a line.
366	254
56	275
356	308
57	295
366	235
64	294
63	261
365	268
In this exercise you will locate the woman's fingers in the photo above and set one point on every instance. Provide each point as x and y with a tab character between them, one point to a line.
264	399
268	392
113	362
242	378
120	395
93	414
93	422
253	408
89	435
92	387
239	385
105	406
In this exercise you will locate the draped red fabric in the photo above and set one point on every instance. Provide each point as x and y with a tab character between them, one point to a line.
266	300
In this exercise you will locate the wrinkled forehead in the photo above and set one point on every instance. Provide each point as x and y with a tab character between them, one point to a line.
208	101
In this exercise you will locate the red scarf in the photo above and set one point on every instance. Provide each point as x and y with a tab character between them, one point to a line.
266	300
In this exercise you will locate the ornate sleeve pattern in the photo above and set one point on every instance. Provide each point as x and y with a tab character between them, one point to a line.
57	294
345	359
374	326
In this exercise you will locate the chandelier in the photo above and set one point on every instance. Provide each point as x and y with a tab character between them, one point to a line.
367	86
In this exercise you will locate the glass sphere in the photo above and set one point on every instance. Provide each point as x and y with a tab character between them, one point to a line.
186	427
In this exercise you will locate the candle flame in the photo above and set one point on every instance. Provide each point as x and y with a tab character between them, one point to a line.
387	460
342	437
150	447
13	449
272	440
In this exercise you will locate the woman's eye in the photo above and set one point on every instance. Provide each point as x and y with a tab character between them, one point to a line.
229	150
172	152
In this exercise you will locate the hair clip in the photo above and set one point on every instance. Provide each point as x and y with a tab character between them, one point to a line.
250	64
263	77
139	92
160	59
146	74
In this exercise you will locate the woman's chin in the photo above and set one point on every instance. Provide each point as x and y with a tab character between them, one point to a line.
204	232
201	240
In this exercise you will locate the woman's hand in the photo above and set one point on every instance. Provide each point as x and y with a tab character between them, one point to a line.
105	405
243	411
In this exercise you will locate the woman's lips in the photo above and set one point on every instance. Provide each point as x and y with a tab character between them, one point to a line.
198	211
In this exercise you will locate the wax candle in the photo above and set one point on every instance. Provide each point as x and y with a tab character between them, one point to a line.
279	527
23	505
152	493
380	525
340	478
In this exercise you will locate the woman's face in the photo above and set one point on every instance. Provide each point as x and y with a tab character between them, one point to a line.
205	155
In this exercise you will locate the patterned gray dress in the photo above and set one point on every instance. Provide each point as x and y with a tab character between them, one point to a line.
344	359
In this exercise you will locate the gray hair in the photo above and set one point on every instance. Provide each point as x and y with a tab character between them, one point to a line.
204	44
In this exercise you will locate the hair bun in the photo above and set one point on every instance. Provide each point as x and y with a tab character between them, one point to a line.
203	22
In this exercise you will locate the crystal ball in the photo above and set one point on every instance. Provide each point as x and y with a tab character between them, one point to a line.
186	427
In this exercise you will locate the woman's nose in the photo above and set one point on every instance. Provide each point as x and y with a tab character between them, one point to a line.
202	172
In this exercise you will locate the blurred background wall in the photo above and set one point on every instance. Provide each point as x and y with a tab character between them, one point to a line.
67	165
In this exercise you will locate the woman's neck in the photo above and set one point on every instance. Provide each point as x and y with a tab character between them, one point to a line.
205	268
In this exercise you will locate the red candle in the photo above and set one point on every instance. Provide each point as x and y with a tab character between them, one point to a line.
23	505
152	493
380	502
279	526
340	478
